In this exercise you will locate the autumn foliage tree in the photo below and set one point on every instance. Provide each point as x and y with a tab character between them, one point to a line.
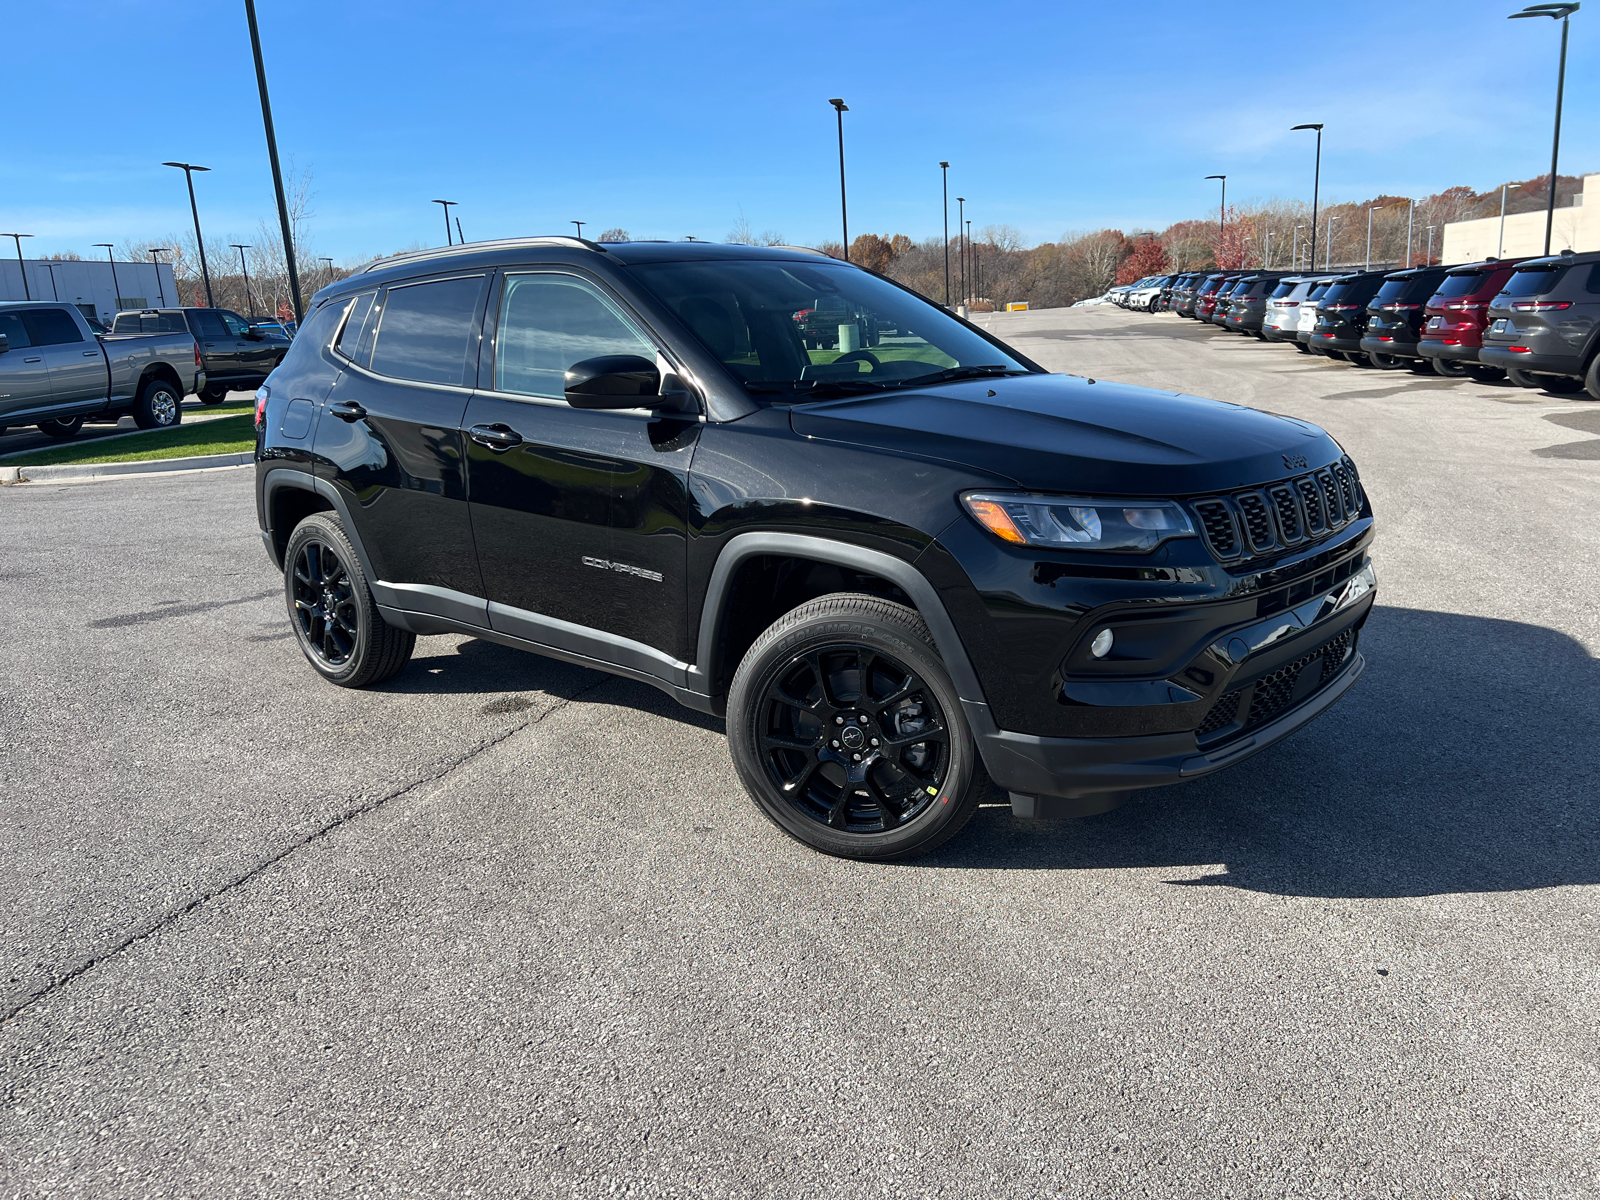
1146	256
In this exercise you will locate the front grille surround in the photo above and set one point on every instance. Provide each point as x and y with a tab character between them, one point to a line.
1257	522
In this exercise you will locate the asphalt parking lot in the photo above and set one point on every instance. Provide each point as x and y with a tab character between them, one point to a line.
505	927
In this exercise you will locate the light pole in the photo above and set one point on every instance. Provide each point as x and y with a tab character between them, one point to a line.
249	300
1316	187
161	288
1430	245
944	172
1222	215
188	170
1266	253
1294	258
1370	211
580	225
1411	221
1562	11
17	238
1500	246
446	204
277	173
116	303
1327	253
961	244
971	288
840	108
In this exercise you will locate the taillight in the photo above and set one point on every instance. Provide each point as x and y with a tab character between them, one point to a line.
197	361
1462	306
1521	349
1288	304
263	393
1541	305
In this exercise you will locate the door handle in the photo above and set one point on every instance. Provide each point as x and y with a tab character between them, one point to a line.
347	410
33	360
496	437
91	354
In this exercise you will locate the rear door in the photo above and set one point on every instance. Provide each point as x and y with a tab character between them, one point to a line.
24	378
217	346
390	438
77	366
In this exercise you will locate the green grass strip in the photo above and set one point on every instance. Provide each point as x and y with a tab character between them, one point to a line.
229	435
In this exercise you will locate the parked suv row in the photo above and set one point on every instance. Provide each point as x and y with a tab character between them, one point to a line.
1534	321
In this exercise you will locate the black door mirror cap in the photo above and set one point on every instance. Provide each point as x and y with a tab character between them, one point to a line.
616	381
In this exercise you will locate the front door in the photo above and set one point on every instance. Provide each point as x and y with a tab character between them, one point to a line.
390	438
578	515
255	356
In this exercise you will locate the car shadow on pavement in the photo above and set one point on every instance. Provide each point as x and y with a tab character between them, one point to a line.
1465	760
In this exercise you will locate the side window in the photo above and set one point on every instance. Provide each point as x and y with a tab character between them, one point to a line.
51	327
1593	286
207	325
16	332
355	339
428	332
126	323
237	325
548	322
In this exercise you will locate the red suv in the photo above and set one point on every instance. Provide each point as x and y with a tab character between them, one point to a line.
1453	324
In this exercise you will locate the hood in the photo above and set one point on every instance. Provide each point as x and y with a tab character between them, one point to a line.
1062	433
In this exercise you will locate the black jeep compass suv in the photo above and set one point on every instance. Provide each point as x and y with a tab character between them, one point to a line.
897	570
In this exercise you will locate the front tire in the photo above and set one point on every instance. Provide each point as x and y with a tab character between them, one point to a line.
213	395
846	730
159	406
331	609
61	428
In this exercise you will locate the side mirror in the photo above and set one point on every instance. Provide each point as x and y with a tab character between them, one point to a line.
254	334
5	343
624	381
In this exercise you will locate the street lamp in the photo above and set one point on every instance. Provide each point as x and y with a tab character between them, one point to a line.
1327	253
1294	258
161	288
446	204
580	225
1316	187
1222	215
249	301
840	108
1411	222
1430	245
116	303
944	174
1370	211
1562	11
17	237
971	284
188	170
961	244
272	155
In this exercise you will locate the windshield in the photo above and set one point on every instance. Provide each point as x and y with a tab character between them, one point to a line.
823	327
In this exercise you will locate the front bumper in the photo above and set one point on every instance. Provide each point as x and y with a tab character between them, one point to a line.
1277	676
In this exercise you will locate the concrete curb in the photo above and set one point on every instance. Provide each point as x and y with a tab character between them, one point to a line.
156	466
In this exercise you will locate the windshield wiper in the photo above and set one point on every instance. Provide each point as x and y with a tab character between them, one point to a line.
819	389
979	372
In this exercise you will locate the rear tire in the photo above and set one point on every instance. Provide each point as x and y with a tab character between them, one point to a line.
1560	385
847	731
61	428
159	406
1521	378
1482	373
213	395
1449	368
1591	378
1386	362
1301	346
1356	358
331	609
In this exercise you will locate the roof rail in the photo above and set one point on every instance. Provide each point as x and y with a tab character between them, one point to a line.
552	239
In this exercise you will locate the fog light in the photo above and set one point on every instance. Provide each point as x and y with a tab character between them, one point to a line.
1101	646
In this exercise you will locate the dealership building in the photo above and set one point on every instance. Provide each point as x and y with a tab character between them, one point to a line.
99	289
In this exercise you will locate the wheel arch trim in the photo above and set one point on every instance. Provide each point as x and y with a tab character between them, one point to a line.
275	480
898	571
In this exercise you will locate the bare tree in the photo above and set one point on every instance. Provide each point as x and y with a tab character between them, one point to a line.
615	235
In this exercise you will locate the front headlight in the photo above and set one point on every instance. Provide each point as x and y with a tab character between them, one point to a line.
1078	523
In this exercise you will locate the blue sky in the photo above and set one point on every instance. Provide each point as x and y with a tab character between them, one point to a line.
670	120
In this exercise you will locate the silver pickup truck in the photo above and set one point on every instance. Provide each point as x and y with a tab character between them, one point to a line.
55	372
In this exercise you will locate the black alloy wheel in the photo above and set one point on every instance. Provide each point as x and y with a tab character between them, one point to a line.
853	739
331	609
324	603
847	731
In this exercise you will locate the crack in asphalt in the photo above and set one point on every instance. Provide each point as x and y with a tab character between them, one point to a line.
174	610
17	1005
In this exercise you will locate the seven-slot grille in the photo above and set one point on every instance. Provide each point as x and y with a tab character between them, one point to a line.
1282	515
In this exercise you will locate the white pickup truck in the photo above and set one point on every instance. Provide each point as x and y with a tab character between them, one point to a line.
56	372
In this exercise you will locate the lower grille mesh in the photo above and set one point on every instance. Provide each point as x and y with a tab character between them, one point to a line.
1274	693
